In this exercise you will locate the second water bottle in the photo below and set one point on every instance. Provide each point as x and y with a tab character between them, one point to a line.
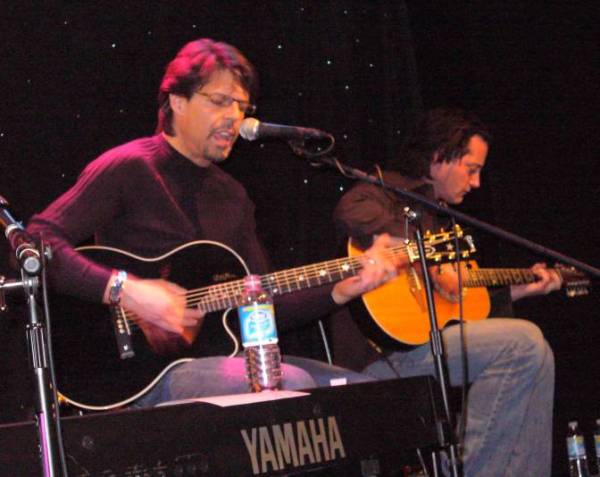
578	466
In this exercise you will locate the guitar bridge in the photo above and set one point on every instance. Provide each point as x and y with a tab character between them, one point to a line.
415	281
416	288
122	332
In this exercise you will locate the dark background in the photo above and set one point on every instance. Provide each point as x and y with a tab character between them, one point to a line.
82	78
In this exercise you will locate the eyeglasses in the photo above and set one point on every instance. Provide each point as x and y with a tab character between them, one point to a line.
224	101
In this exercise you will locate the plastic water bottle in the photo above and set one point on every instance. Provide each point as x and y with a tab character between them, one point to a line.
259	337
578	466
597	444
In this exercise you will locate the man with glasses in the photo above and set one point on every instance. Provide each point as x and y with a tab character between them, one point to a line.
153	194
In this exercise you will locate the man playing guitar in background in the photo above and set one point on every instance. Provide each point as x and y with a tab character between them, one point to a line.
510	365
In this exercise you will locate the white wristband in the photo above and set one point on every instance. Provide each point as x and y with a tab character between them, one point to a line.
114	294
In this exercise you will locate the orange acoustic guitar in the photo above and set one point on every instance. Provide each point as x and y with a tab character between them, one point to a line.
399	308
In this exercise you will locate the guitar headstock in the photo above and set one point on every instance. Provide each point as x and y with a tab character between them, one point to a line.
441	247
575	282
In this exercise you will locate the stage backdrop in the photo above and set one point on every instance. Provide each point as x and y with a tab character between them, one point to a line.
80	79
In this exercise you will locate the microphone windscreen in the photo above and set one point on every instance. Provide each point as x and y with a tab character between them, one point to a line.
249	129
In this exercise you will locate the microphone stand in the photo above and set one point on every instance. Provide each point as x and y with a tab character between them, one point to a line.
46	408
445	430
446	435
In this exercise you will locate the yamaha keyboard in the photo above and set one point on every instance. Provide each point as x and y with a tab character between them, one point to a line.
368	429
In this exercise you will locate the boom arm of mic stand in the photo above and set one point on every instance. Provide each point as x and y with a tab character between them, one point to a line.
461	217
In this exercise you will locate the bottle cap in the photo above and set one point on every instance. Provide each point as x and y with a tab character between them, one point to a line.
572	424
252	283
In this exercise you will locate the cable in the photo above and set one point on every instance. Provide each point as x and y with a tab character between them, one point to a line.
325	342
462	423
299	148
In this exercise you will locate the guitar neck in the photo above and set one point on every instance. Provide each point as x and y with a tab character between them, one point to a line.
228	295
309	276
490	277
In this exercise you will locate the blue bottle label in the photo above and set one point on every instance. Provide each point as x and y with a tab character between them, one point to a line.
576	447
597	441
257	324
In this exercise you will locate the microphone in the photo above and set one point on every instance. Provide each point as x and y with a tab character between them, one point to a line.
252	129
20	241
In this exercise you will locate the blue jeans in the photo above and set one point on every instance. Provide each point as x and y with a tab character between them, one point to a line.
220	375
510	402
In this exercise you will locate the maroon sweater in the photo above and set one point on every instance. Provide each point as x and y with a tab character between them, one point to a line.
146	198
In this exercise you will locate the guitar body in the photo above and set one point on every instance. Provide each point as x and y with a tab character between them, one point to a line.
399	307
89	369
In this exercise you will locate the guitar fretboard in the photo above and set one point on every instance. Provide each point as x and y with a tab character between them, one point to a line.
228	295
574	282
310	276
489	277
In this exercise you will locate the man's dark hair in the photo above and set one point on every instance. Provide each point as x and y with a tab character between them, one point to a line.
192	68
439	135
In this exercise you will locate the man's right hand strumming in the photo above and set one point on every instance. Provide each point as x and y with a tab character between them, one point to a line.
159	308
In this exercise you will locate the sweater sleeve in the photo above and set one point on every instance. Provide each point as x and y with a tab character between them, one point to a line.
73	218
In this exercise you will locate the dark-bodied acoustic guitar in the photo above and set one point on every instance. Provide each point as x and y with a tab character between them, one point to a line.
399	307
93	373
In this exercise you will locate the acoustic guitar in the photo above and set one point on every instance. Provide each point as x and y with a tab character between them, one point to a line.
399	307
96	372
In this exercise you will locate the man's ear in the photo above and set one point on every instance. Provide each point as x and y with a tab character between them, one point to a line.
177	103
439	170
434	166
